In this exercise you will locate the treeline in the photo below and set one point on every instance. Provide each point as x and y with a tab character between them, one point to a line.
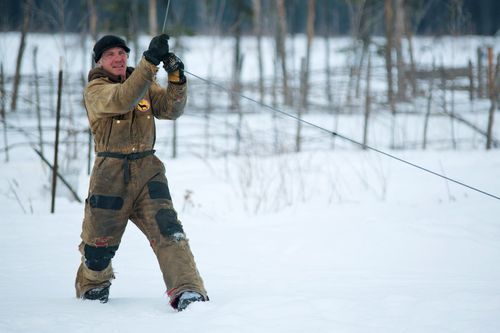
333	17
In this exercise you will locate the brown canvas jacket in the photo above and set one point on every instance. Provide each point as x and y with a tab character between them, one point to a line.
121	114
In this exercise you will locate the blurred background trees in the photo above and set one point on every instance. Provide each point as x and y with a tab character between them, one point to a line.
194	16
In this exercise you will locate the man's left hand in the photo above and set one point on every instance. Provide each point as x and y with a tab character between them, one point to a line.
175	68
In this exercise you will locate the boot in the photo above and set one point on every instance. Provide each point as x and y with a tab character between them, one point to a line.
99	293
93	285
187	298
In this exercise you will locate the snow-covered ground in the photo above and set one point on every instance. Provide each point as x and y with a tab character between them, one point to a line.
328	240
421	257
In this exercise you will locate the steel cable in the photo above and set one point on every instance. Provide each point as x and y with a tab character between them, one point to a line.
333	133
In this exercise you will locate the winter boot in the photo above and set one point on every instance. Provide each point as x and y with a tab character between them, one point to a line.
93	285
99	293
187	298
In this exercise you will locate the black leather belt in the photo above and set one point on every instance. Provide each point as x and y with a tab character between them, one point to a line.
126	158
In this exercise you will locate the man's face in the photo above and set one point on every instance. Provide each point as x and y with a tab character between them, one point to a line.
114	60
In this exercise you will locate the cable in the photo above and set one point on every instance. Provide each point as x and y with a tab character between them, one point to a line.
342	136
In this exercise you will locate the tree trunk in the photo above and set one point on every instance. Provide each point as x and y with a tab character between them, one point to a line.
56	143
310	36
364	35
328	70
37	100
92	12
304	73
452	119
27	9
52	93
133	29
274	98
300	108
412	78
470	73
281	40
355	9
480	83
367	100
429	106
2	112
208	111
257	21
153	18
359	70
236	72
399	29
389	28
493	98
236	79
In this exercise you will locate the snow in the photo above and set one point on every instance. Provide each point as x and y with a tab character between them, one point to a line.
328	240
422	259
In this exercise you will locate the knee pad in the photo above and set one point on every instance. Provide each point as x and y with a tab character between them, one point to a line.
98	258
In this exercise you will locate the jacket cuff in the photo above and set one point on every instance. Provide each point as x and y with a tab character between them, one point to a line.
148	66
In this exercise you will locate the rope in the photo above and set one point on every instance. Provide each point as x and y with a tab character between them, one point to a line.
365	146
165	19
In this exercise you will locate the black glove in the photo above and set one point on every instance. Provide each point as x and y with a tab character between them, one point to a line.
175	68
158	49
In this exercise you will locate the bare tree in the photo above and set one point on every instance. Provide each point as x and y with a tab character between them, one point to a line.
213	15
415	11
37	100
470	74
389	28
399	27
153	18
133	29
236	75
429	106
304	82
328	69
257	23
356	9
493	97
412	77
2	112
480	82
27	10
280	41
367	100
310	35
237	59
92	12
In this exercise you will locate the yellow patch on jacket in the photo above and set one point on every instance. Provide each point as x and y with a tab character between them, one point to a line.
143	105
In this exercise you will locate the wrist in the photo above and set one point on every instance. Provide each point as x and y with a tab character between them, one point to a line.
176	77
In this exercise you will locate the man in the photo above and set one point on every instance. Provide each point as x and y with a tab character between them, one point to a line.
128	181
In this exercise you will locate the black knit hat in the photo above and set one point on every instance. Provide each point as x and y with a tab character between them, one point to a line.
107	42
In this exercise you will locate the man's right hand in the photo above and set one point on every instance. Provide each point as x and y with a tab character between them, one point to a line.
158	49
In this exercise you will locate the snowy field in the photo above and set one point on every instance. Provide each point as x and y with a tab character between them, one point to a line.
328	240
345	257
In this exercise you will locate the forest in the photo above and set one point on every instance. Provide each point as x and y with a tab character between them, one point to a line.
335	17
